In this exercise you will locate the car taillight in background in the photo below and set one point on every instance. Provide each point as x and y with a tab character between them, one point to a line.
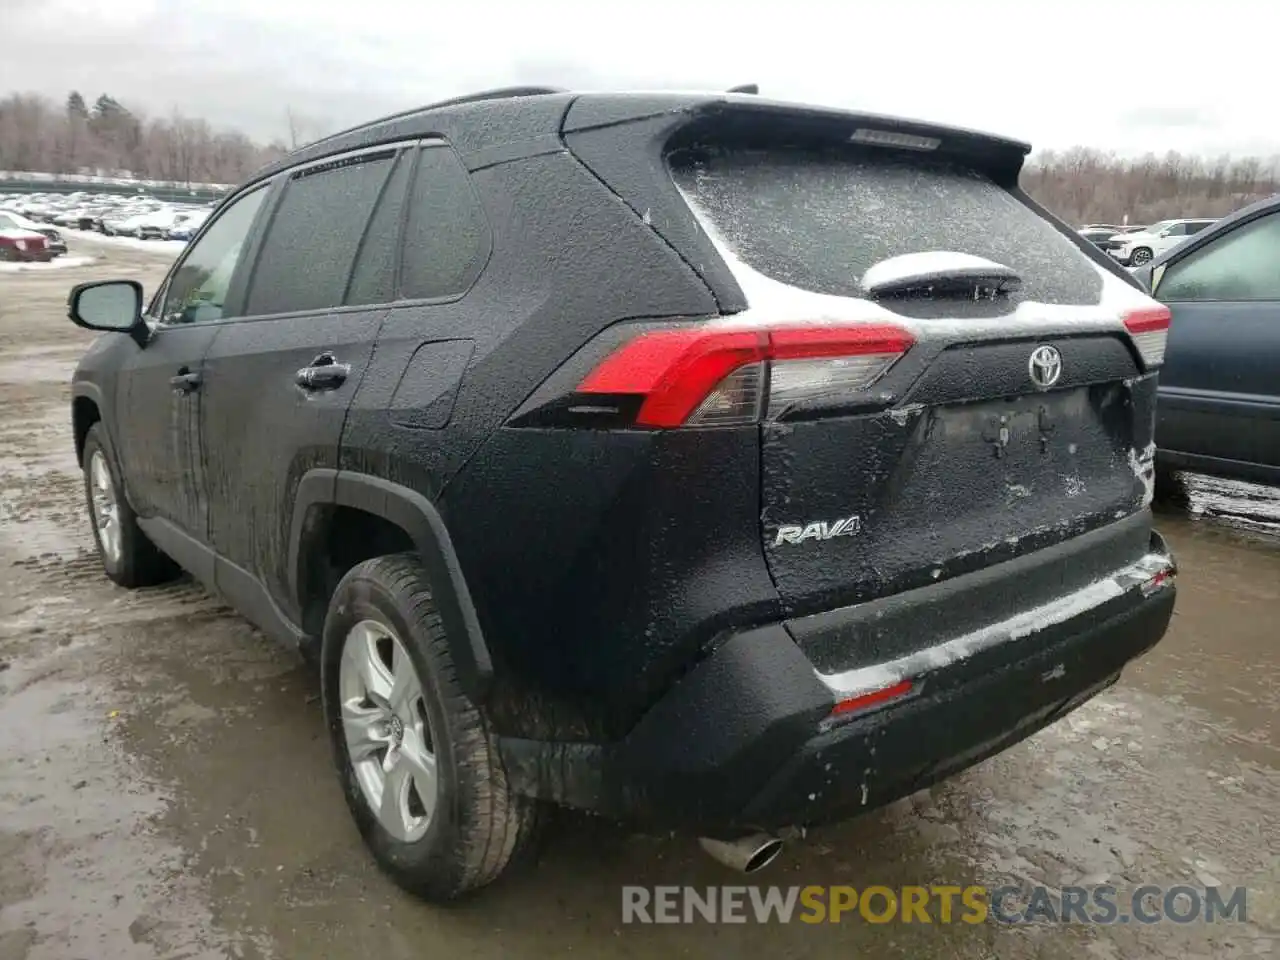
1149	328
722	376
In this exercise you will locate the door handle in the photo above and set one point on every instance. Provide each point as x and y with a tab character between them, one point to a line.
185	381
325	373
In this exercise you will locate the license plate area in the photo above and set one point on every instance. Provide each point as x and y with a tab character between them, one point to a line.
1048	445
942	490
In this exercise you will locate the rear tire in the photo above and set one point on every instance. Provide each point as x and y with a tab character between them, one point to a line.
128	555
457	824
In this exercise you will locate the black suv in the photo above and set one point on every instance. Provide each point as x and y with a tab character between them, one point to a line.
718	463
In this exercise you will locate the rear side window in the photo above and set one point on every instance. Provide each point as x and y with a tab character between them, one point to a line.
446	237
819	219
311	243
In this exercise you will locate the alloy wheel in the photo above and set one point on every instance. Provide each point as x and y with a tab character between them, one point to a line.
105	507
388	736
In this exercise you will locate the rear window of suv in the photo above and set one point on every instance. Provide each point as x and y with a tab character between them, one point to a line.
819	219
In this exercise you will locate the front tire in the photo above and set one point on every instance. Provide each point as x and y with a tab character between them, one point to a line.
419	768
128	555
1140	256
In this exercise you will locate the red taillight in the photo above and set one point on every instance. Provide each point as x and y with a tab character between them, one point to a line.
1149	328
716	376
674	370
874	698
1161	579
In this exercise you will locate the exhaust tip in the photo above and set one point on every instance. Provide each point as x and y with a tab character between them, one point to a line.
764	856
747	854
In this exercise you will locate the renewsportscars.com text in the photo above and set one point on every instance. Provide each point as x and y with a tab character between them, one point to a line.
1101	904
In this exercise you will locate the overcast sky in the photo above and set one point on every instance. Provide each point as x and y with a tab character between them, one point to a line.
1126	75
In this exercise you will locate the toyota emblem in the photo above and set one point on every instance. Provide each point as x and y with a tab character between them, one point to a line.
1045	366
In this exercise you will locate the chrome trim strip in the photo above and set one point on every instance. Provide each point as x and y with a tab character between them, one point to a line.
863	680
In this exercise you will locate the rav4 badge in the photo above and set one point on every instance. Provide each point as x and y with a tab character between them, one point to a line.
818	530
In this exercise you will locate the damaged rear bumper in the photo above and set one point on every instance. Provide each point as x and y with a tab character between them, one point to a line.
748	738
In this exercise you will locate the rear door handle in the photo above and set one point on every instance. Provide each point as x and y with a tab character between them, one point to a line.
325	373
185	381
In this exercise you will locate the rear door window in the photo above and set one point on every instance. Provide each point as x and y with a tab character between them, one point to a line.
446	236
819	219
1243	264
374	275
313	237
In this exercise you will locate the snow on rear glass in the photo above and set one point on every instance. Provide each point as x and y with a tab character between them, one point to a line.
818	221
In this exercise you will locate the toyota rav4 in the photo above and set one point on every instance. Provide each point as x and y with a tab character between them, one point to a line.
700	460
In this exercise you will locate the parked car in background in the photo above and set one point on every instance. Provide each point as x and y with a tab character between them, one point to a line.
36	212
54	243
1108	237
188	226
156	225
23	245
840	508
129	224
1219	409
1141	246
1097	235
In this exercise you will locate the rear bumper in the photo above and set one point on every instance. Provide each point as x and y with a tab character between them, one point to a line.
748	739
26	256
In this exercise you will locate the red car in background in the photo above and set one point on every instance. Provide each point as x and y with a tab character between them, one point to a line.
19	244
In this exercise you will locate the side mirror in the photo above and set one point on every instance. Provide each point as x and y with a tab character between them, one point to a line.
1143	275
113	305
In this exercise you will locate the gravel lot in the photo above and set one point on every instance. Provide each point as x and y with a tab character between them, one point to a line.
166	790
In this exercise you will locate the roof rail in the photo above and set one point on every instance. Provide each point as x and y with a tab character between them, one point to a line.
502	93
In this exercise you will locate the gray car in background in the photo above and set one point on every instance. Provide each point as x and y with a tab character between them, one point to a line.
1219	394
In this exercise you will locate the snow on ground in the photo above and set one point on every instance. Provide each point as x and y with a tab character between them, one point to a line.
87	181
58	264
168	247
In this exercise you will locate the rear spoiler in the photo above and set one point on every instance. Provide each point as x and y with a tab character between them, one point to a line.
624	140
745	119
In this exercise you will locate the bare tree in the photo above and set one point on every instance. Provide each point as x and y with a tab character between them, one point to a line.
303	129
38	136
1085	186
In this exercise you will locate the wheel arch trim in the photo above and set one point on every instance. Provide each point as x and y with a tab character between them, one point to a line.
86	390
421	520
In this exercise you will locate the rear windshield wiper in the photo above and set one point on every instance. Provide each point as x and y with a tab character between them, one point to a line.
939	274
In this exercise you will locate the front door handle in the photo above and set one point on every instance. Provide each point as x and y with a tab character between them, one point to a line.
185	381
325	373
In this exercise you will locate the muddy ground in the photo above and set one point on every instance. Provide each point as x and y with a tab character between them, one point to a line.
166	791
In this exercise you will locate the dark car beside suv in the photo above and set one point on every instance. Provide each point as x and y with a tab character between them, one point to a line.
1219	410
675	457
